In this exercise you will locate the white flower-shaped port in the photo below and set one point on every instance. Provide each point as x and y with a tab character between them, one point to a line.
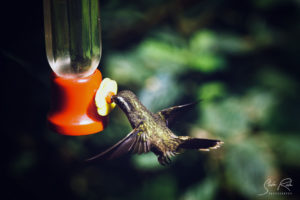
107	88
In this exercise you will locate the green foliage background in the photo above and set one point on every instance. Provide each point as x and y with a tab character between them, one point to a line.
239	57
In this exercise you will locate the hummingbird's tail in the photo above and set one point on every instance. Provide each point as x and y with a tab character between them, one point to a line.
186	142
179	143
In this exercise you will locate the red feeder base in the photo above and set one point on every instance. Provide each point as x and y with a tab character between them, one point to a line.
73	110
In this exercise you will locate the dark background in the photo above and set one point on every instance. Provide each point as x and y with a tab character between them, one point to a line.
240	57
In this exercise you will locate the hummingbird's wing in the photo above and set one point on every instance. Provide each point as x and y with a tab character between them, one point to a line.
169	114
136	142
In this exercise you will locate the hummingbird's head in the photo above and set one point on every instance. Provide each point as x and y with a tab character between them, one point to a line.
126	100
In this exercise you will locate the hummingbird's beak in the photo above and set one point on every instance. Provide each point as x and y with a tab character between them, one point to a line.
114	98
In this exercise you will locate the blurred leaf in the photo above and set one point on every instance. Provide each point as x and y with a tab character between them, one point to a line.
203	54
146	162
234	44
247	167
211	90
206	62
206	190
277	81
161	187
203	41
258	105
262	33
233	116
127	69
162	51
226	118
286	147
160	91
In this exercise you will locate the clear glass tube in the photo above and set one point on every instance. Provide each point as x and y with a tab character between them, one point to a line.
72	36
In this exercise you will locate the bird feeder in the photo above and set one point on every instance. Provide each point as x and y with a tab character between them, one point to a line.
73	47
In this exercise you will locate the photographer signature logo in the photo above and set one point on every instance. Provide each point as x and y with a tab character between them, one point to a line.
282	187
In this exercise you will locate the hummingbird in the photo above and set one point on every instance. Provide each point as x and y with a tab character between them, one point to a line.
151	132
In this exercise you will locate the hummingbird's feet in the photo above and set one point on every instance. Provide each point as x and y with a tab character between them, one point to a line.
164	160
